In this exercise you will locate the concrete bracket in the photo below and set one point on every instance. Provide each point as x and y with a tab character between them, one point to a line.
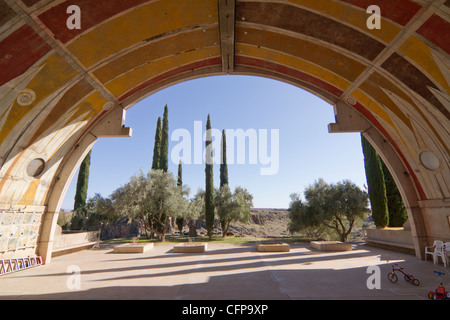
112	125
347	120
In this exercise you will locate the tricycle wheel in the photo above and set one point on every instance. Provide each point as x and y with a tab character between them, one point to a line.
392	277
432	296
416	282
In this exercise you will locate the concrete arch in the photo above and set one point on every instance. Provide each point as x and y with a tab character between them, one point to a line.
62	88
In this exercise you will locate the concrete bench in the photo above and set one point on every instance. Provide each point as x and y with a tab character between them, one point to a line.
331	246
190	248
273	247
133	248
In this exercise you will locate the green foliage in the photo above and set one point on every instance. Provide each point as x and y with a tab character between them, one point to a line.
82	182
157	146
197	206
164	157
232	206
223	161
96	211
180	175
376	185
209	184
180	220
396	207
333	206
81	194
151	199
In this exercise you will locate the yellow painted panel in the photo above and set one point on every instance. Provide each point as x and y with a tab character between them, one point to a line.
145	22
372	105
137	76
29	195
418	51
353	16
296	63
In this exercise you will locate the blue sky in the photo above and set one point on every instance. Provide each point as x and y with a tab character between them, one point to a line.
306	150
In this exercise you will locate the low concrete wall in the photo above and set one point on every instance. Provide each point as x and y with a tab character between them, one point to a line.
74	238
391	238
71	241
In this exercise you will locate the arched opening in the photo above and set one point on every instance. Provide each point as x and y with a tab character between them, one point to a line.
307	151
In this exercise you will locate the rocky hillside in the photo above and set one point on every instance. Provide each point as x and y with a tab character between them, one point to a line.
263	223
275	222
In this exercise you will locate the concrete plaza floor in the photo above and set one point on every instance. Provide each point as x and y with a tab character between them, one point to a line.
223	272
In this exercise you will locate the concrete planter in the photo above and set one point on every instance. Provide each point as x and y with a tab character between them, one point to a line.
331	246
133	248
190	248
273	247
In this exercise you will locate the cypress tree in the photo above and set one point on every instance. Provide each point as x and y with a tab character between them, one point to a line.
82	183
376	185
180	220
79	214
180	173
157	146
396	207
209	188
223	161
164	156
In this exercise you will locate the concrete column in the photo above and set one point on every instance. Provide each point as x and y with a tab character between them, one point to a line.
436	215
58	191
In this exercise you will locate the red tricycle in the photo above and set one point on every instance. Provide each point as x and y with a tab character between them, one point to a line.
440	292
408	277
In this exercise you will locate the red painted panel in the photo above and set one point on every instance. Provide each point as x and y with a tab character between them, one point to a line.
19	51
247	61
400	11
92	13
171	73
437	30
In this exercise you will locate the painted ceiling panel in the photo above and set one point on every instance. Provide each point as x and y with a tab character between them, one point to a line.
155	19
94	13
399	11
342	65
19	51
304	22
136	76
171	73
437	30
158	49
354	16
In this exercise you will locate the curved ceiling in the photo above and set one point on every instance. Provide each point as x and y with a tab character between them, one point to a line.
56	82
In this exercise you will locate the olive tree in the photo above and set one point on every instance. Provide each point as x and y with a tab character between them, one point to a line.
151	199
232	206
334	206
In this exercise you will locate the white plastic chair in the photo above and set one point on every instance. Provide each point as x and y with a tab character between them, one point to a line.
436	250
447	252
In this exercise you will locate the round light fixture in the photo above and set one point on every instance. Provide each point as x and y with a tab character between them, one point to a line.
35	167
429	160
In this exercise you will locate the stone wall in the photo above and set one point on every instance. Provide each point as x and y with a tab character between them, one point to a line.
19	230
125	227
